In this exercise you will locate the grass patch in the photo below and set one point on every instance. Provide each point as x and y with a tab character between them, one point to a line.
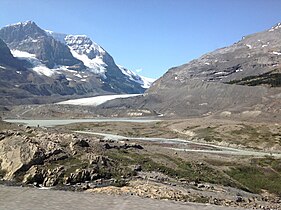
262	174
173	167
70	164
209	134
256	135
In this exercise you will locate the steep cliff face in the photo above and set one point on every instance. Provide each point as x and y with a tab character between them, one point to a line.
7	58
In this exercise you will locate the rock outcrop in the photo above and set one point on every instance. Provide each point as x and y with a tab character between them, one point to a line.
49	159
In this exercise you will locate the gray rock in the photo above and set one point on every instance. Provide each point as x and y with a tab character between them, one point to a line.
82	143
137	168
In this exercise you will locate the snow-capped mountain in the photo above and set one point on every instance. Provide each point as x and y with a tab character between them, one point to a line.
145	82
84	49
95	57
72	63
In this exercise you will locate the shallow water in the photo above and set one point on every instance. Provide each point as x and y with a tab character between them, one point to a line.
52	123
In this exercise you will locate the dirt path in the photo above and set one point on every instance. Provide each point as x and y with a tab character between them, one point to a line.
18	198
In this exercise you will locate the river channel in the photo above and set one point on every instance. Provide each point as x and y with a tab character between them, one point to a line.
56	122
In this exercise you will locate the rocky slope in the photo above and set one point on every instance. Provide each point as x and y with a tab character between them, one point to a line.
244	77
51	159
60	65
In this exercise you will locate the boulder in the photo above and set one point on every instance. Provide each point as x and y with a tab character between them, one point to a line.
82	143
18	156
53	176
81	175
34	174
137	168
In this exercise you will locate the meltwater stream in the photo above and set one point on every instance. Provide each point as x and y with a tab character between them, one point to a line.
187	144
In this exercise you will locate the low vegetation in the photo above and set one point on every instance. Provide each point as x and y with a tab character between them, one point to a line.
172	167
248	135
272	79
260	175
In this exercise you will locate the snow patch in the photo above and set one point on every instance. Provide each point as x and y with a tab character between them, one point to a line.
249	46
143	81
43	70
95	101
21	23
220	73
96	65
203	104
87	51
39	67
22	54
276	53
78	75
275	27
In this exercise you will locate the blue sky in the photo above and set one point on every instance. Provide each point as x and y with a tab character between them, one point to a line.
150	36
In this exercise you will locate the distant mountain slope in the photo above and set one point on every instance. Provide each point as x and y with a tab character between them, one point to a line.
241	78
62	65
254	55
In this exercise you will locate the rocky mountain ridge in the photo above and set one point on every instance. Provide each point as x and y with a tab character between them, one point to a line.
65	65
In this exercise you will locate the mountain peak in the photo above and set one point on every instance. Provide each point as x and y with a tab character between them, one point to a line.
82	44
275	27
25	23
